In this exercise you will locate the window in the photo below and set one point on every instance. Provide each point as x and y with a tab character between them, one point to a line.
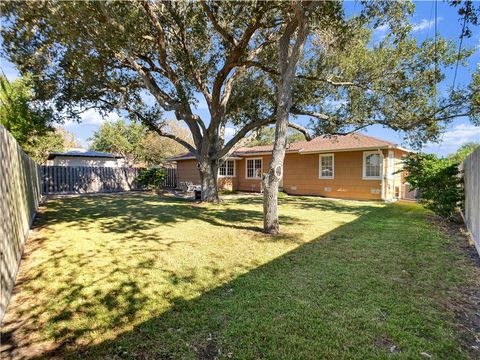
254	168
372	165
227	169
326	166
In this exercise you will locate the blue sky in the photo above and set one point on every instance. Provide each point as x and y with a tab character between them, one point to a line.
448	25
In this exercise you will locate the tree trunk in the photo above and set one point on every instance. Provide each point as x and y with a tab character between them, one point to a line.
271	179
208	176
287	66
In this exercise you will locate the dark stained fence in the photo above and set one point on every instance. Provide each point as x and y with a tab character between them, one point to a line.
171	179
87	179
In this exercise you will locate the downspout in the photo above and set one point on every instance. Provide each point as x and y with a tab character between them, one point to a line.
383	175
393	173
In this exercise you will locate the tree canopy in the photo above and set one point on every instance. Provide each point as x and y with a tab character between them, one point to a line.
38	147
20	115
463	151
29	122
147	58
266	136
136	143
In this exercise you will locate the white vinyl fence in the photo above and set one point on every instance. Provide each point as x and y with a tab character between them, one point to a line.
471	176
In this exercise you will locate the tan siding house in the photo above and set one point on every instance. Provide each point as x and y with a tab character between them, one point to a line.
352	166
83	157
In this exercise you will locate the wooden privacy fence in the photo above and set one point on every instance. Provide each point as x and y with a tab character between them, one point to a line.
471	177
19	199
89	179
171	179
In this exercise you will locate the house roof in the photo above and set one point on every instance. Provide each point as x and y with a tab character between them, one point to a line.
353	141
83	153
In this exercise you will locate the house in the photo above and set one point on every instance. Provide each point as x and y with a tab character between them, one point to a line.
354	166
83	157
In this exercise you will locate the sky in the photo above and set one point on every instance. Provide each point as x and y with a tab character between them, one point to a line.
448	26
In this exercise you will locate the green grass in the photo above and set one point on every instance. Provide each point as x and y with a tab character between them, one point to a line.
145	276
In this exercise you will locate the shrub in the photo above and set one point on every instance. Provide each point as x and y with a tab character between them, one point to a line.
152	178
438	180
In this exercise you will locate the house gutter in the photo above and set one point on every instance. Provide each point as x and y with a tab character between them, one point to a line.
383	175
344	150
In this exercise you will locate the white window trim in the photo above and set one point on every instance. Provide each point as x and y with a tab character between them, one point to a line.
234	170
391	165
320	166
364	167
246	168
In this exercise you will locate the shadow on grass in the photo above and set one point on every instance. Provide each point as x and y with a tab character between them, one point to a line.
140	212
134	213
343	295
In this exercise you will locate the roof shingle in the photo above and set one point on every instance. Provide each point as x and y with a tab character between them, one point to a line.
325	143
319	144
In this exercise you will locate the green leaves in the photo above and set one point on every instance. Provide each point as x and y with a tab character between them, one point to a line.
118	137
19	115
137	143
30	122
146	58
152	178
438	180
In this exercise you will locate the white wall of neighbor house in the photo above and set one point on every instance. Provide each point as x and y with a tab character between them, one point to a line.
86	161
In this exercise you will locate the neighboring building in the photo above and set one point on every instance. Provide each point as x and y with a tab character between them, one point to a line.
354	166
83	157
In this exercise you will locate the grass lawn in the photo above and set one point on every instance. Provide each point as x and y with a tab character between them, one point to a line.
148	277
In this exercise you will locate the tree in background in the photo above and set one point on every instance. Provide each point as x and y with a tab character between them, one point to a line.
438	180
157	149
136	143
29	123
20	115
463	151
120	138
266	136
39	146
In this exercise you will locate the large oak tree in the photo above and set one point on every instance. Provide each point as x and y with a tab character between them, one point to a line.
144	58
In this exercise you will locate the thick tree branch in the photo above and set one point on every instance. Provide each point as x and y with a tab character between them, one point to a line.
301	129
240	71
320	116
259	65
237	140
231	62
151	124
182	109
241	134
196	75
223	32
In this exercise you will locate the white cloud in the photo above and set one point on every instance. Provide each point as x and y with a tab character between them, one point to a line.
380	32
92	117
336	104
452	139
424	24
382	28
202	103
229	132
